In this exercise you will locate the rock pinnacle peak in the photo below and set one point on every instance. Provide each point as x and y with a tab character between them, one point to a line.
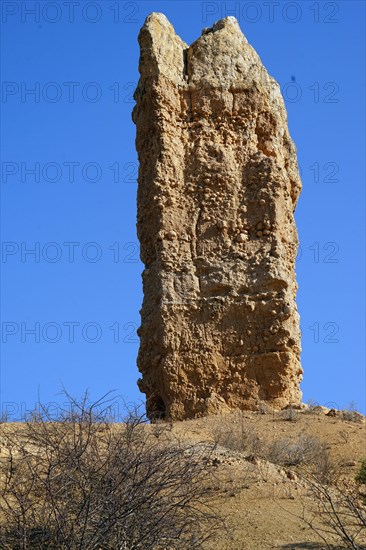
229	21
157	16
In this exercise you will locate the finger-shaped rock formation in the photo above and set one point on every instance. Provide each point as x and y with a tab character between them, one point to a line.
218	185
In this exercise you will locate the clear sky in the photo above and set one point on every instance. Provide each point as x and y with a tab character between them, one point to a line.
70	308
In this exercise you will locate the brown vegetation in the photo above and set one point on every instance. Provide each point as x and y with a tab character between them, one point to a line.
84	482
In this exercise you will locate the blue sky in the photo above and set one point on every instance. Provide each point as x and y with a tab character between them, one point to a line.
70	308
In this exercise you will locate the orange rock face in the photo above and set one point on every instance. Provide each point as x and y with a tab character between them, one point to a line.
218	185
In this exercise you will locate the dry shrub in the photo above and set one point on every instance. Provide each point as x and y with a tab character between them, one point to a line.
335	512
344	436
290	415
264	407
83	482
351	416
232	432
293	452
361	474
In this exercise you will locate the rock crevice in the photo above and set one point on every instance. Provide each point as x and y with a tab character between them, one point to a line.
218	184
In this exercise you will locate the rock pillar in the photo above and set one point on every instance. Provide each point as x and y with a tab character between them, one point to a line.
217	188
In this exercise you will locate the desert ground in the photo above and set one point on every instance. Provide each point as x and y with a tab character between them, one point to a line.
264	470
264	503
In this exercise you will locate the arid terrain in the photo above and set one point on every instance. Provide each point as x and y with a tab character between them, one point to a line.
264	503
273	480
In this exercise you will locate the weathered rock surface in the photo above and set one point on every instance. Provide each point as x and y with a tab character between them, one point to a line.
218	185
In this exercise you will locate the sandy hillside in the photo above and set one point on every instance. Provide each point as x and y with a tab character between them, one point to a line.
263	502
256	462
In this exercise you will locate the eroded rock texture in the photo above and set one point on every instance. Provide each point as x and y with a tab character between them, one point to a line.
218	184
